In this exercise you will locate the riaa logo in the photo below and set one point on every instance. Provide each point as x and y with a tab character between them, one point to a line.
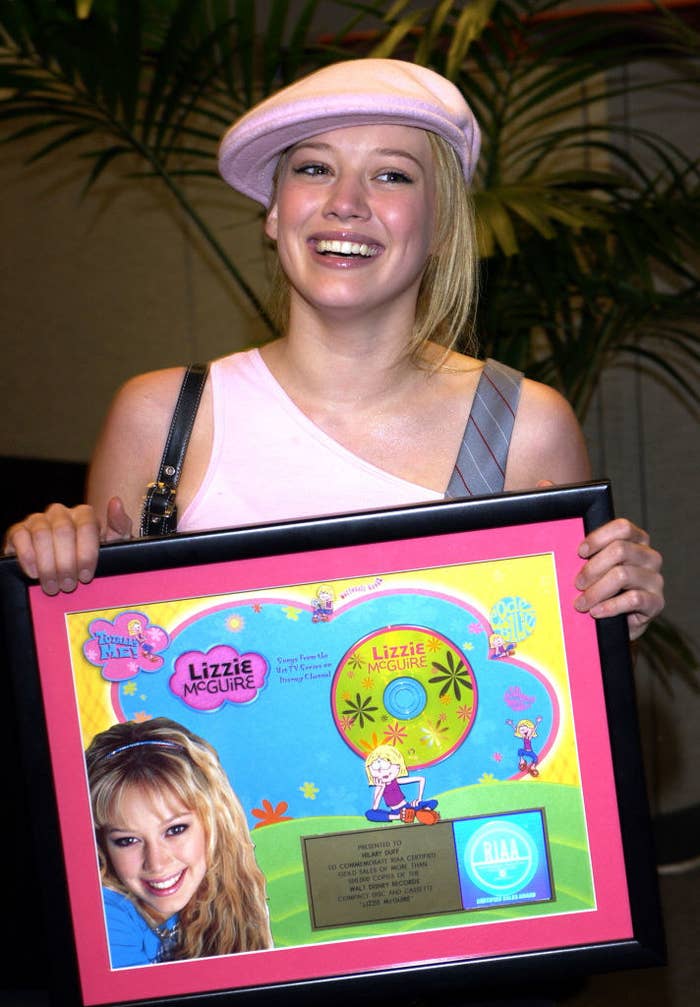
501	858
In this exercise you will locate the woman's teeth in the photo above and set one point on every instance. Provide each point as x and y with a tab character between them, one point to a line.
345	248
168	883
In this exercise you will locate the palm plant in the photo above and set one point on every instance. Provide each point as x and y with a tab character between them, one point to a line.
588	228
595	262
145	87
148	87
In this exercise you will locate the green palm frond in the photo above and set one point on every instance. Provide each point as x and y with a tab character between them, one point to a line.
588	227
587	224
150	86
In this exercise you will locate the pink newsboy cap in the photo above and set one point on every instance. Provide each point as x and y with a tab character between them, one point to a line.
358	92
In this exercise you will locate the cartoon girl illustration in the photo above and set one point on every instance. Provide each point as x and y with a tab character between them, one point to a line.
387	773
135	628
498	646
526	730
176	858
323	605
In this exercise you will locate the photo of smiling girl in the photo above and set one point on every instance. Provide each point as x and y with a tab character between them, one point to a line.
176	859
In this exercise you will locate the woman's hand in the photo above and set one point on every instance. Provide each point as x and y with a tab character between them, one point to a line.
59	547
621	575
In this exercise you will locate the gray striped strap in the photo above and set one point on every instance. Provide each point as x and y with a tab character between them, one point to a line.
480	468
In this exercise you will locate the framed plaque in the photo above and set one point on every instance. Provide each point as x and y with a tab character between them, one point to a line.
433	757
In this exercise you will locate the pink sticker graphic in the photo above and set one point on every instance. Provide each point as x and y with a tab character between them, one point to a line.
126	646
207	681
516	698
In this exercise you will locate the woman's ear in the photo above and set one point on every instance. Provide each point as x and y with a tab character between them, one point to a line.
271	222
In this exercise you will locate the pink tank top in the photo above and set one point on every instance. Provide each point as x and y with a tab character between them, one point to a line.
270	462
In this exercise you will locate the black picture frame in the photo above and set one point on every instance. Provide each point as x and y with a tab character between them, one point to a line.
565	514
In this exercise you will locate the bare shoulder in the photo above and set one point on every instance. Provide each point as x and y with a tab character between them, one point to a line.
140	412
132	438
547	441
150	393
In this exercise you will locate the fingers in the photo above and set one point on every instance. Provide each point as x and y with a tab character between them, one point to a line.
119	524
622	575
618	530
59	547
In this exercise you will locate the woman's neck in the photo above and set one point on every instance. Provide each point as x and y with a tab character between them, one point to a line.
341	362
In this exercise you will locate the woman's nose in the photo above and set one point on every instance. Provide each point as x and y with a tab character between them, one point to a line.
156	857
347	199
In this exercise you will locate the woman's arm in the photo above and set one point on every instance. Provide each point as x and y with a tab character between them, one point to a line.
621	574
60	545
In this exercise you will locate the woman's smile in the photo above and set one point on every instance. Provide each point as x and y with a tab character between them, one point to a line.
348	246
166	887
344	249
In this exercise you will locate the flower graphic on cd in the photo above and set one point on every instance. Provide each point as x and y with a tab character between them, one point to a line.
453	675
395	734
360	710
369	744
309	790
431	734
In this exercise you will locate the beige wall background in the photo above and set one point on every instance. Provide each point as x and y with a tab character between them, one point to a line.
96	289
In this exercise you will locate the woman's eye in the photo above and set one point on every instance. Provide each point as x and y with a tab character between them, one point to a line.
395	176
311	169
178	829
123	841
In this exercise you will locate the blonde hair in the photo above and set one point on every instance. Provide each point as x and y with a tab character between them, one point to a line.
525	723
228	913
389	754
447	297
448	293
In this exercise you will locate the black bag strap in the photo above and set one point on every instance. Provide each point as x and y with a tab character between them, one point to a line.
159	514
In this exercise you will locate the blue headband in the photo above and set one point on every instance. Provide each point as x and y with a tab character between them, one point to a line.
146	741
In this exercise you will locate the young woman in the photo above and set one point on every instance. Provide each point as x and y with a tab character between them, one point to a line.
176	858
363	168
